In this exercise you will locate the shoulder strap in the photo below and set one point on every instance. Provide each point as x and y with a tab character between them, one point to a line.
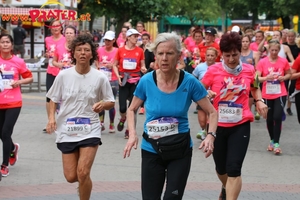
181	76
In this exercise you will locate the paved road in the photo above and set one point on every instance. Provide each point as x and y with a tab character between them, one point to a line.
38	172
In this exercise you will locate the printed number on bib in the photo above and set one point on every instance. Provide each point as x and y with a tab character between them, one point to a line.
162	127
78	126
273	87
230	112
7	79
129	63
107	72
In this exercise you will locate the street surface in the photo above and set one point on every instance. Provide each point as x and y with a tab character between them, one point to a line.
38	173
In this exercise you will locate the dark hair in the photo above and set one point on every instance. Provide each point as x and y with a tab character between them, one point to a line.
248	28
260	31
146	34
81	40
142	23
279	33
125	27
197	30
71	27
10	39
231	41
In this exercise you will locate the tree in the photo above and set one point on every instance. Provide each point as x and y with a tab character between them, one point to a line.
194	10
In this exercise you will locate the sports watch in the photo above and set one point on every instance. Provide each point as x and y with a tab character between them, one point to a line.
212	133
256	100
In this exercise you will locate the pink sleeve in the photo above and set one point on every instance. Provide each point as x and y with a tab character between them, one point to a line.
208	77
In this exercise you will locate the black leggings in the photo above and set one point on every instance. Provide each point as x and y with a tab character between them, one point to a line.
230	149
126	93
49	82
8	118
154	174
297	103
274	117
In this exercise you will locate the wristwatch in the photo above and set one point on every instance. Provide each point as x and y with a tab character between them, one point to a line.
212	133
256	100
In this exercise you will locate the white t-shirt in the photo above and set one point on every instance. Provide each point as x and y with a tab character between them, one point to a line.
77	94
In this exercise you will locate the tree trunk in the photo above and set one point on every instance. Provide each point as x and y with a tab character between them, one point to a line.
91	23
286	22
120	23
254	18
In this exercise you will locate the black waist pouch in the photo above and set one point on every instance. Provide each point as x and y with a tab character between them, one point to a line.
171	147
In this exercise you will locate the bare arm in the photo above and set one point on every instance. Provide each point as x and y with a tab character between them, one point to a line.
51	125
288	52
116	70
131	120
261	107
262	46
55	62
295	74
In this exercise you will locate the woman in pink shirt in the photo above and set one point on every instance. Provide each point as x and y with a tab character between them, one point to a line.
51	42
230	83
122	37
194	53
12	68
62	54
272	72
106	56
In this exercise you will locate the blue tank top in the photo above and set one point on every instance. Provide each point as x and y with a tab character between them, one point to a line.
245	58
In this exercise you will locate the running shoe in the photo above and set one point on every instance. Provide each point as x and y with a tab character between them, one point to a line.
13	158
222	194
142	111
289	111
126	134
257	116
277	150
102	127
271	146
4	170
121	124
201	135
111	128
44	130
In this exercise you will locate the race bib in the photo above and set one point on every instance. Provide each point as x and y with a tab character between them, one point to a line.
78	126
162	127
273	87
7	79
129	63
107	72
230	112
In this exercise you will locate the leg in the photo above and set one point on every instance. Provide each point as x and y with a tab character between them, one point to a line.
70	162
270	120
9	120
49	81
85	162
277	116
238	142
153	176
297	103
177	175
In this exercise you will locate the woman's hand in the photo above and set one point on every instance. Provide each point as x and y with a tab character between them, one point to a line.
270	77
207	145
51	126
280	78
133	141
211	94
98	107
15	84
262	109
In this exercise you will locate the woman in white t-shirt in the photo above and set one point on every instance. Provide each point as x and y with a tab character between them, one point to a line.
82	92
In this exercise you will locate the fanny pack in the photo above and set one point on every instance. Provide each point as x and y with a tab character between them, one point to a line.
171	147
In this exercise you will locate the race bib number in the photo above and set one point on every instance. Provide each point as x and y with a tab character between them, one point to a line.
107	72
7	79
273	87
162	127
230	112
129	63
78	126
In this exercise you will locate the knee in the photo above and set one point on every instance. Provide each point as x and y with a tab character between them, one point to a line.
71	177
234	170
82	174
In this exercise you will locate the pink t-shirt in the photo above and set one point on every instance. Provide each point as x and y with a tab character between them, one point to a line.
63	56
50	47
11	69
273	89
105	58
232	99
188	40
254	46
121	42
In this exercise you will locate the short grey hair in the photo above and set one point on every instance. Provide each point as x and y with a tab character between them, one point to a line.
164	37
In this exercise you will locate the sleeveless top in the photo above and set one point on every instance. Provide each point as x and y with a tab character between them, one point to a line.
245	58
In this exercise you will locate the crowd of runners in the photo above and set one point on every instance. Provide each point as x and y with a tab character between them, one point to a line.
233	78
